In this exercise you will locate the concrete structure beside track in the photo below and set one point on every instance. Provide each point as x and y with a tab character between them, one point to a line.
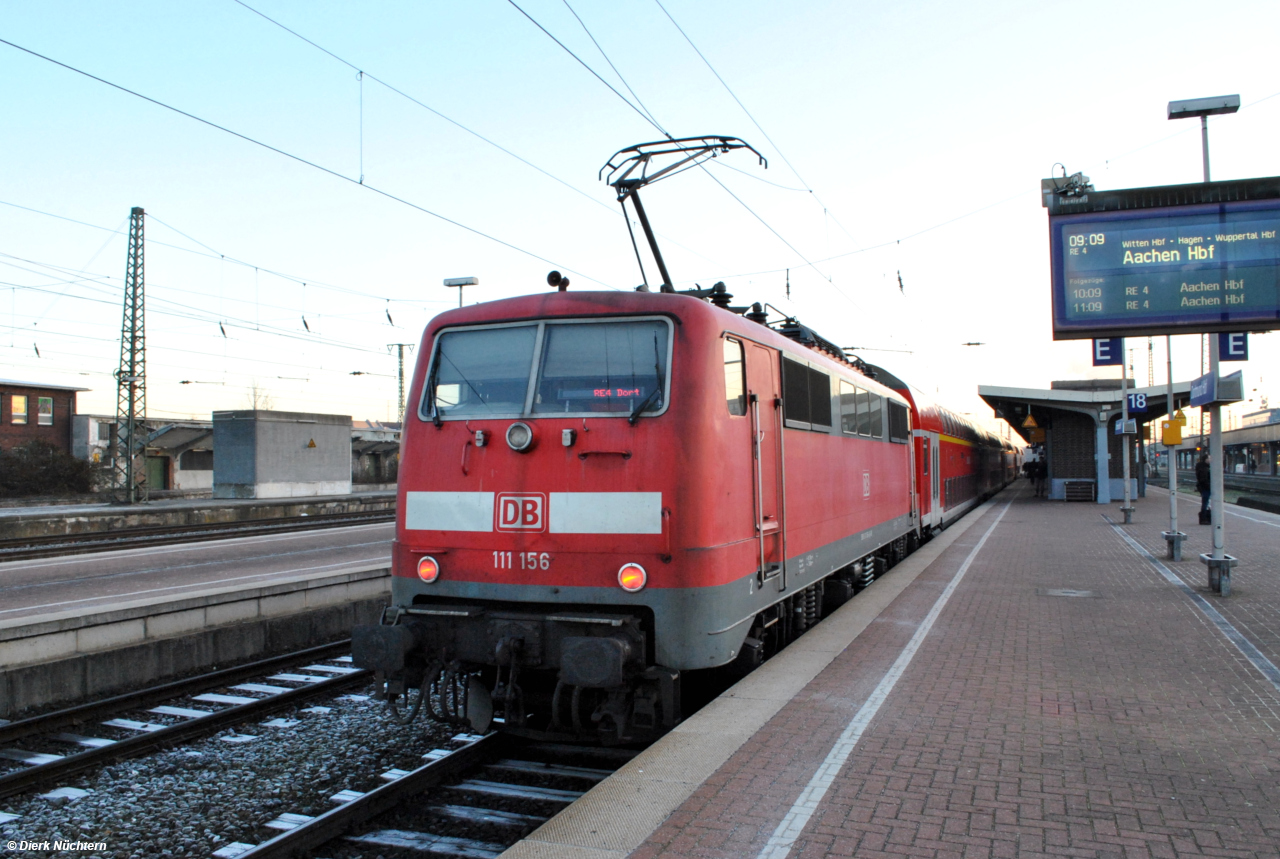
95	518
269	454
1036	681
73	655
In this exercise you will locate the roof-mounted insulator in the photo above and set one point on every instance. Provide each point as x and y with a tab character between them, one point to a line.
792	328
757	314
720	296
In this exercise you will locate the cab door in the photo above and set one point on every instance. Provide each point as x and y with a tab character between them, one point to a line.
764	406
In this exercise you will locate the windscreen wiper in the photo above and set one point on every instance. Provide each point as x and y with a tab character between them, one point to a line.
656	392
648	401
431	392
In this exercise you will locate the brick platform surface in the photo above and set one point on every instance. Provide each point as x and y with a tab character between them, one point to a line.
1117	723
1253	536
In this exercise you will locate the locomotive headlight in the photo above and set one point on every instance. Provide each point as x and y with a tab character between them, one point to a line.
520	436
632	577
428	569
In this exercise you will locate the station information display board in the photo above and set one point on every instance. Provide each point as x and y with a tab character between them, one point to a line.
1164	269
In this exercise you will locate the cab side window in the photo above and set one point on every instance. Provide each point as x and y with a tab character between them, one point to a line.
735	386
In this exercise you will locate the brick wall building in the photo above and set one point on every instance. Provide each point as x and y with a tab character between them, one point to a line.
29	410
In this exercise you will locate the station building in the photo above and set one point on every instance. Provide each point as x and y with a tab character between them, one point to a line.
1073	425
33	411
1253	449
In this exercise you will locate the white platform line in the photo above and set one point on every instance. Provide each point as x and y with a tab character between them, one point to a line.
806	805
1259	661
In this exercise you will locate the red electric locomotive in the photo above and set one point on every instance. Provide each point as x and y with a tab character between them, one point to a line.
601	493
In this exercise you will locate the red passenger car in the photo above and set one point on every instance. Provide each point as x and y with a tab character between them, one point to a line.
602	493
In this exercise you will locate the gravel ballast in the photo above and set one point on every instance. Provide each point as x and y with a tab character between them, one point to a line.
196	798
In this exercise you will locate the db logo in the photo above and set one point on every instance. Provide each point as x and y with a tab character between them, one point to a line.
521	512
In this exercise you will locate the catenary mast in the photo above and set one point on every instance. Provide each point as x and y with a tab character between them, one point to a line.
130	459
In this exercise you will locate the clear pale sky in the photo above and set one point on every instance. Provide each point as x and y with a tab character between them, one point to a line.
917	134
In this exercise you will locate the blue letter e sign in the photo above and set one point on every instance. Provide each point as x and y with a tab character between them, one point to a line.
1233	347
1109	351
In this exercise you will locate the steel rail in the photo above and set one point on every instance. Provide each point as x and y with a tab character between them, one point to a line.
27	548
23	780
92	711
299	841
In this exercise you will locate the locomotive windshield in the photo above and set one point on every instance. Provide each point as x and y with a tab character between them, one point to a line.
483	372
589	367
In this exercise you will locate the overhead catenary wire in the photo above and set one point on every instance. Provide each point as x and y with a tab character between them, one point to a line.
652	121
427	107
216	255
754	122
584	64
314	165
643	107
185	312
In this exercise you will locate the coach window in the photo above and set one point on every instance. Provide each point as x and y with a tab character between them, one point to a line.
899	432
18	409
848	408
735	387
877	417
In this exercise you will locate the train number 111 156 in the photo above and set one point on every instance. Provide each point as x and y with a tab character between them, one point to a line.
526	560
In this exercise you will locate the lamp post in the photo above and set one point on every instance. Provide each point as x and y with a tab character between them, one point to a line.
460	282
1205	108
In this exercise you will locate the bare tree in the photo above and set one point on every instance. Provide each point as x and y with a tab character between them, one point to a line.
258	397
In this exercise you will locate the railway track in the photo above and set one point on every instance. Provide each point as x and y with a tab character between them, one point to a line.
26	548
472	802
48	748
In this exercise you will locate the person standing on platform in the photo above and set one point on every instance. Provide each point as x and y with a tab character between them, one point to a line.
1202	481
1041	472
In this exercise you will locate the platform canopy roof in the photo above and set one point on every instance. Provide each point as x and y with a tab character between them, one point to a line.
1098	398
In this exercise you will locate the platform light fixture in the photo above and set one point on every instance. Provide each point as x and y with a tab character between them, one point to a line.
1204	108
460	282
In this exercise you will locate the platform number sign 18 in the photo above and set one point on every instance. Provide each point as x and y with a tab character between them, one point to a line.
1137	402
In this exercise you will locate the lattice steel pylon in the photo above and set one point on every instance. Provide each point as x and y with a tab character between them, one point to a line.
400	347
130	455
